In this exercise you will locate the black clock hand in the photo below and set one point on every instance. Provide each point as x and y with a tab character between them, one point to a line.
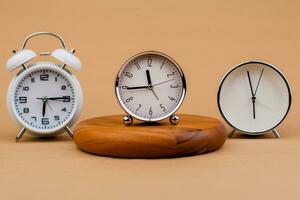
148	77
261	73
138	87
253	106
249	79
59	98
56	98
150	86
252	93
44	107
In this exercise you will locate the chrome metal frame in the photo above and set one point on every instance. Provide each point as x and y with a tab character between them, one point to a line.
44	33
149	53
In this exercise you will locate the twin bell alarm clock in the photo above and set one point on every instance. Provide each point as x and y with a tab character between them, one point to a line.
44	98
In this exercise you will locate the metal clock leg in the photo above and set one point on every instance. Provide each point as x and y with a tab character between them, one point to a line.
174	119
20	134
127	120
231	133
69	131
276	133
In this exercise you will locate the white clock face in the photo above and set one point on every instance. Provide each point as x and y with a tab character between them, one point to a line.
44	99
254	97
150	86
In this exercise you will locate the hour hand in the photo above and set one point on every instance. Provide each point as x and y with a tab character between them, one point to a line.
148	77
59	98
63	98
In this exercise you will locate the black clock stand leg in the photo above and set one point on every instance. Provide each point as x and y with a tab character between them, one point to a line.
231	133
276	133
20	134
127	120
69	131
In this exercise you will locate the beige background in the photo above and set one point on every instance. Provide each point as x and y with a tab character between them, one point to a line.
206	38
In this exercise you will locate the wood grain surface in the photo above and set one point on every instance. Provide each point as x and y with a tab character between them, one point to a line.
107	136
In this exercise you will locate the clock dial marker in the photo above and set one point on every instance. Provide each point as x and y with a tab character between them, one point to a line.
137	65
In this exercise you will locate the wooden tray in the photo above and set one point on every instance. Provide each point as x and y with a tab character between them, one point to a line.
107	136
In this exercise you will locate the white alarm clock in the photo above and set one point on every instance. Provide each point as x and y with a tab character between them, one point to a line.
150	87
254	97
44	97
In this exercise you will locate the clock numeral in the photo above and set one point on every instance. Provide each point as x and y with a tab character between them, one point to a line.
45	121
162	107
23	99
124	87
34	118
66	98
140	105
26	88
171	98
174	86
63	87
149	62
129	99
56	118
162	64
25	110
129	75
150	111
172	74
32	80
44	77
137	65
55	79
64	109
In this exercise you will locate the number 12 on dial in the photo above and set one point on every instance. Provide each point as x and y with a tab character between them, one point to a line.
150	86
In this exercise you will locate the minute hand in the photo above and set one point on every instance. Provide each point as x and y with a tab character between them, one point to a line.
162	82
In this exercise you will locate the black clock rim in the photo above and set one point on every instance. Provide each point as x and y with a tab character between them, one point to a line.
254	62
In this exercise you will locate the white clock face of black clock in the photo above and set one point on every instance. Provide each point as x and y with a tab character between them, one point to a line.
44	99
254	97
150	87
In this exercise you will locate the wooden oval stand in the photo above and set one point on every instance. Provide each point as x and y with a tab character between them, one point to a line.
107	136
